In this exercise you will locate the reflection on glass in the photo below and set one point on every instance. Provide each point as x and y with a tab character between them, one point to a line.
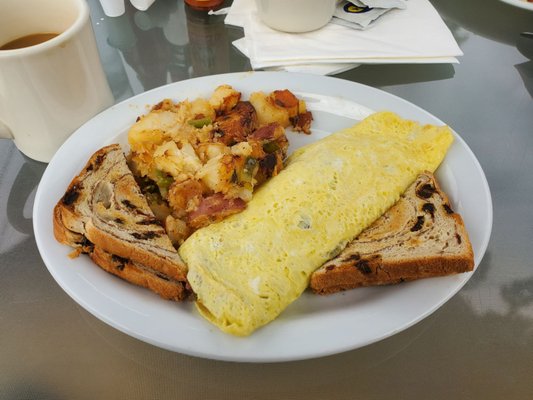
154	43
169	42
525	46
209	43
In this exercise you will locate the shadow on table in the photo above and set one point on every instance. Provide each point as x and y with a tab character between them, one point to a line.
380	75
20	193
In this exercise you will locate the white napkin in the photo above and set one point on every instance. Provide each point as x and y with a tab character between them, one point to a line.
312	68
416	34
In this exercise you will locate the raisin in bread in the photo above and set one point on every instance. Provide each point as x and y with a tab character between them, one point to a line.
103	213
419	237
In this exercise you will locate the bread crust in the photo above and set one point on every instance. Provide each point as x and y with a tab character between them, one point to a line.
61	233
121	248
421	219
347	276
138	275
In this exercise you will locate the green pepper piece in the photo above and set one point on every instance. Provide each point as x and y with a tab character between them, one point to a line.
270	147
200	122
163	181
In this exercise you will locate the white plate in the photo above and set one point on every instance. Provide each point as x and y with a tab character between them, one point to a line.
520	3
313	325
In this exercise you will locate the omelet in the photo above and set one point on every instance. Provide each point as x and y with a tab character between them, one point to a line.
247	269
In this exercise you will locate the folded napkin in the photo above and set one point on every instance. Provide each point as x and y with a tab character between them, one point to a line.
415	34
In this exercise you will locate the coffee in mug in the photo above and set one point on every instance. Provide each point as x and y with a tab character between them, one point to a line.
51	77
28	40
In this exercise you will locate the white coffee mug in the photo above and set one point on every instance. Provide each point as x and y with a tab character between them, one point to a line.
295	16
49	89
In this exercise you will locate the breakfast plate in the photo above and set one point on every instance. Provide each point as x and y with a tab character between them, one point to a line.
520	3
312	326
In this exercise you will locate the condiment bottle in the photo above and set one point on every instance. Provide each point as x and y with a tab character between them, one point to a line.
204	4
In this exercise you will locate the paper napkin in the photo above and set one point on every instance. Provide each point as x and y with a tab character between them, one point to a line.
415	34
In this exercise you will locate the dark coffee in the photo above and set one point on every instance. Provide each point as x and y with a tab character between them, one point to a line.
27	41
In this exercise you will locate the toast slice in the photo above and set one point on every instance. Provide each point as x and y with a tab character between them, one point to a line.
104	214
419	237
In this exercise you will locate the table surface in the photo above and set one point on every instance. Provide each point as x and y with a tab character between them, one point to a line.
479	345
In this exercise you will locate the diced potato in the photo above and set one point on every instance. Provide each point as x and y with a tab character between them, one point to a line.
235	126
267	111
224	98
302	107
159	120
160	209
243	149
177	230
207	151
170	159
287	100
165	104
184	196
217	173
140	137
202	107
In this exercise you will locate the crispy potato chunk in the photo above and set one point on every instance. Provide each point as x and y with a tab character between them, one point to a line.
283	107
174	161
184	196
285	99
236	125
302	122
268	111
177	230
224	98
217	173
207	151
202	108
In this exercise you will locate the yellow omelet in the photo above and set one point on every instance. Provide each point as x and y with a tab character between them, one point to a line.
248	268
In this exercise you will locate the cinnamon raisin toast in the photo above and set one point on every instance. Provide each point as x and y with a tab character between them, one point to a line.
104	214
419	237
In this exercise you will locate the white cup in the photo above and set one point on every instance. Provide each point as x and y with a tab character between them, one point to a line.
50	89
295	16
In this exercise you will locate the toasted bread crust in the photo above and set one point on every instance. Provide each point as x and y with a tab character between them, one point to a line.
136	274
61	233
347	276
419	237
121	248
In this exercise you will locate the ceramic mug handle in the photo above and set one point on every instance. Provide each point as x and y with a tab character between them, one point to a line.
5	132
